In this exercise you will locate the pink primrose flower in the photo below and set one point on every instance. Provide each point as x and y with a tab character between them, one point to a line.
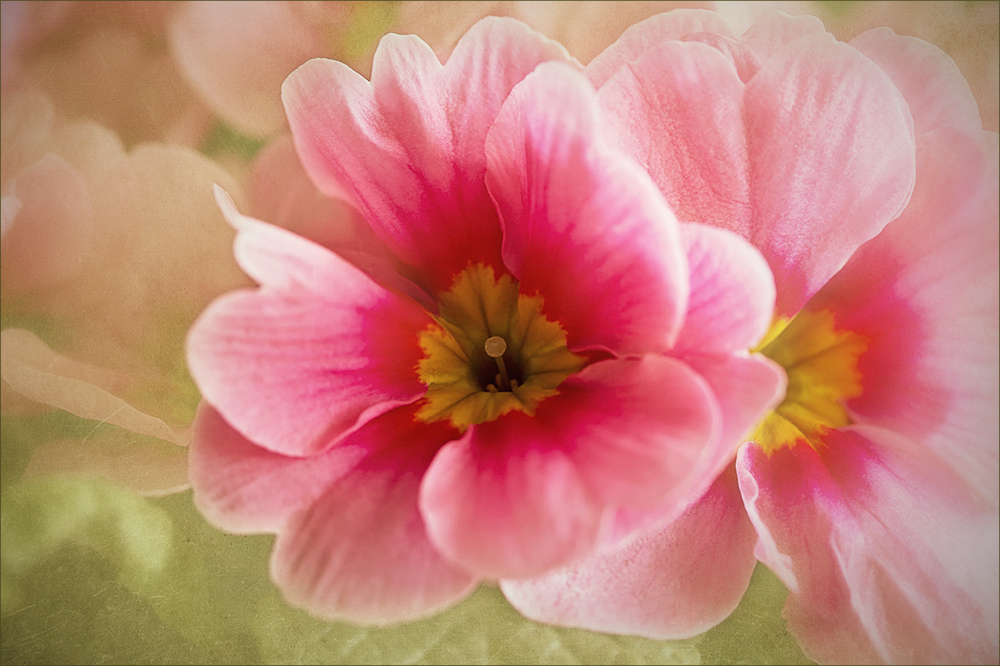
863	175
530	358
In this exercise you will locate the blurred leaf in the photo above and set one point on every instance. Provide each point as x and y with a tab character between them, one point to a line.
224	140
484	629
755	633
40	516
148	581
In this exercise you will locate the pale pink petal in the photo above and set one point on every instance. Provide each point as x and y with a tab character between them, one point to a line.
322	345
588	28
409	145
745	389
10	206
244	488
775	30
678	110
924	294
732	292
831	151
742	56
51	239
282	194
147	466
26	128
669	583
887	556
35	371
360	552
523	494
237	54
930	81
639	38
583	225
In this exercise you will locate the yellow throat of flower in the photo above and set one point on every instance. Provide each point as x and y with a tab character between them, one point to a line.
822	367
492	351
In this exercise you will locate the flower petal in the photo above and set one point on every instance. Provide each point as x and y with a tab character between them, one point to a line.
745	389
678	110
360	553
49	239
930	81
669	583
924	294
732	292
320	347
775	30
831	151
282	193
35	371
237	55
583	225
244	488
523	494
673	25
887	555
409	146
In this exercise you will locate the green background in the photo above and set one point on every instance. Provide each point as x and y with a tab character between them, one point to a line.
92	573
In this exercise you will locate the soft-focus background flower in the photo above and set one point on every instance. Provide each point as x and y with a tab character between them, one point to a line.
117	118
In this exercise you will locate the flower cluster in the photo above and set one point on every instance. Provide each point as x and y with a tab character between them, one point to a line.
607	321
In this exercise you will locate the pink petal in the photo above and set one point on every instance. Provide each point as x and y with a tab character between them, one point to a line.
282	193
925	295
732	292
49	239
236	55
744	59
775	30
244	488
318	349
583	225
639	38
888	556
670	583
360	552
930	81
522	494
745	389
409	146
35	371
831	151
678	110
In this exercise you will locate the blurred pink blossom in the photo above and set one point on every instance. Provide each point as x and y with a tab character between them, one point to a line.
109	254
365	415
863	175
106	61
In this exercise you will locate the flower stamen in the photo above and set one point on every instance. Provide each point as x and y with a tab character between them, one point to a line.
491	351
495	347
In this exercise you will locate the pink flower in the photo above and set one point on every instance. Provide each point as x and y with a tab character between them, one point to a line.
369	414
863	175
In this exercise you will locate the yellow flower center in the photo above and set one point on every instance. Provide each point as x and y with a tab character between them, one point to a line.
822	367
492	351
